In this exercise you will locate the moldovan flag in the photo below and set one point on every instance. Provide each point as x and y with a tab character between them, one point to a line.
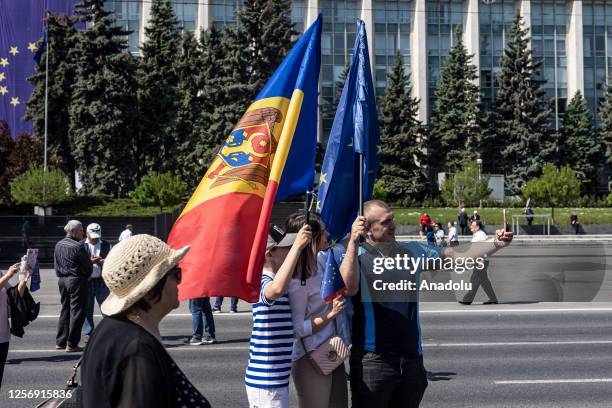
268	156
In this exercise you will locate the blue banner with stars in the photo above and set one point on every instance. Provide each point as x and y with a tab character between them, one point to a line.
21	29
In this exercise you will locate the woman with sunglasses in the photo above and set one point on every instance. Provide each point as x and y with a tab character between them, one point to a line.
125	363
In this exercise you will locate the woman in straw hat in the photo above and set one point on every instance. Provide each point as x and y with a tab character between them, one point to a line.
125	363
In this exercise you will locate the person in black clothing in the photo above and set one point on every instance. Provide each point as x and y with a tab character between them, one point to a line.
463	221
73	267
574	222
125	363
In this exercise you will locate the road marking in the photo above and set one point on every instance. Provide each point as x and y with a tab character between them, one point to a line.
559	381
244	346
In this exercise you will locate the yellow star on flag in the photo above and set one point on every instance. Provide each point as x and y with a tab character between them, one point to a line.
3	90
4	62
2	77
14	51
15	101
32	47
323	179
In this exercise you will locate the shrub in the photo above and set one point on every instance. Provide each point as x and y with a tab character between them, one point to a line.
160	190
35	187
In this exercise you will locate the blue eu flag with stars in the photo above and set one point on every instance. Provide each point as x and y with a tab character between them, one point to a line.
332	284
354	132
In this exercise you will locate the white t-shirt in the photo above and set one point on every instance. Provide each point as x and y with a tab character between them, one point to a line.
479	236
125	234
5	330
452	234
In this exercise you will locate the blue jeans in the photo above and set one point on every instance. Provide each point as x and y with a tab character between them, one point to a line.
98	291
201	317
233	304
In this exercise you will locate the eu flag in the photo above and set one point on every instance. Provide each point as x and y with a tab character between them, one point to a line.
354	132
332	284
21	27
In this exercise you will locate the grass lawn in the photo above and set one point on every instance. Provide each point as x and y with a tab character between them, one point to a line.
410	216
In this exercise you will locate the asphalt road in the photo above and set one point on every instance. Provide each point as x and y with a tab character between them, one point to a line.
520	354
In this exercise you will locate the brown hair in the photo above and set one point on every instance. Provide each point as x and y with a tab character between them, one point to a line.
307	262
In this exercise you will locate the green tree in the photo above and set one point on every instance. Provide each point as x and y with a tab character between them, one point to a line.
522	112
466	187
266	29
401	147
454	123
103	106
580	147
161	190
7	144
62	38
605	114
158	96
554	188
37	187
27	152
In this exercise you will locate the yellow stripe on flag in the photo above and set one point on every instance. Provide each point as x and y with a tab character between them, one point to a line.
286	137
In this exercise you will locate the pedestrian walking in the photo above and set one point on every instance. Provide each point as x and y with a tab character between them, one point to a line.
269	368
314	321
125	363
5	332
475	217
219	303
73	267
25	234
574	222
462	217
479	276
453	238
424	222
439	234
528	214
126	233
201	320
97	249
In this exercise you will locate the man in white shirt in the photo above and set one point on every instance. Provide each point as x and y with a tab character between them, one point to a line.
98	249
127	232
479	276
453	237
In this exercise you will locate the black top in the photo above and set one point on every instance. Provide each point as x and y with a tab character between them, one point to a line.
126	366
71	259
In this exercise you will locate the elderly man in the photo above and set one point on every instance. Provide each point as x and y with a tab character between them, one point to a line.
479	276
97	249
73	267
386	359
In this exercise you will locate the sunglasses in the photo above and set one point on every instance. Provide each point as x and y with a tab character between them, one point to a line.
176	271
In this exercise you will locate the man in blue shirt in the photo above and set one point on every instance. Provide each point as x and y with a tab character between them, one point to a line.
386	360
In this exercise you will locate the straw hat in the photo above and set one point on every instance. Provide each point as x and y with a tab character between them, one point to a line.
133	267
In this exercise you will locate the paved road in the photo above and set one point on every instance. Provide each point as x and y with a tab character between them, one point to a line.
510	355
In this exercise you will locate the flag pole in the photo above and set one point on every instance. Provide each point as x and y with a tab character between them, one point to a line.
46	87
361	184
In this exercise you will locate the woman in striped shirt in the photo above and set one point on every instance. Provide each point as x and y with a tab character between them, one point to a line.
267	374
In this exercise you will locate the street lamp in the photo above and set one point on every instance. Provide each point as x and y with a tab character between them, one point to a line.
479	162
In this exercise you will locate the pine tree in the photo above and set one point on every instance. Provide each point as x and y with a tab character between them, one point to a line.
61	40
103	107
188	129
522	112
401	150
158	97
267	29
7	144
580	147
454	124
605	114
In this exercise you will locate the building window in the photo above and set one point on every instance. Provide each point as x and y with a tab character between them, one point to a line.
337	40
298	12
495	24
224	12
597	37
443	17
185	11
391	33
127	14
549	28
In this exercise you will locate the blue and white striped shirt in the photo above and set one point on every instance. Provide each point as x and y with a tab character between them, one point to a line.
271	341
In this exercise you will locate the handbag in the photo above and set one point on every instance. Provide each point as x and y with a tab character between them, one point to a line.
329	355
72	395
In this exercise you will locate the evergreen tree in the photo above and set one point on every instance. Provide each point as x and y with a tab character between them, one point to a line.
7	144
401	150
103	108
158	97
580	147
454	123
27	152
605	114
62	37
267	29
188	129
522	112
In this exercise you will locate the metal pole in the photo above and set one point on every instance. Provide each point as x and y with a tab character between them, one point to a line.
46	88
361	165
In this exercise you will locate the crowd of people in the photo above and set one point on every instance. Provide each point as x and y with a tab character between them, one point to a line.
136	285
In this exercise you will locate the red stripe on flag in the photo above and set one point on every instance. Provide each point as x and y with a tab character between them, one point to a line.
222	233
